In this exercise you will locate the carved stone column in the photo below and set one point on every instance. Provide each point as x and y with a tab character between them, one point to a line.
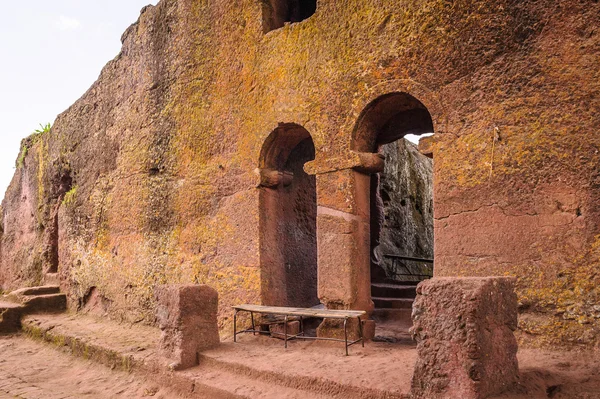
343	235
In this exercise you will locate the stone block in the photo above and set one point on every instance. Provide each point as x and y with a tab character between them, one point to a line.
465	341
187	317
277	330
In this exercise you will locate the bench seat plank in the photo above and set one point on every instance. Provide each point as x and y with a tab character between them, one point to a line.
305	312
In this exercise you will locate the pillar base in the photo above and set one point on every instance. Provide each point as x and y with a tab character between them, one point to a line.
334	328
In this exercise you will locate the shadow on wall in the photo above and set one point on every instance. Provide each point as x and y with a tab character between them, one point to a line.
277	12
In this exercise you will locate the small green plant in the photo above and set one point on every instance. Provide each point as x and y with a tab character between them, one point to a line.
29	142
43	129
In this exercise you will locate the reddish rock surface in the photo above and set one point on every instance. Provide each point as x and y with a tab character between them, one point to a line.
465	341
187	317
277	330
149	178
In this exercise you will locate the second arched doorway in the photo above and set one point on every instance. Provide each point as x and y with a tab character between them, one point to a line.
400	203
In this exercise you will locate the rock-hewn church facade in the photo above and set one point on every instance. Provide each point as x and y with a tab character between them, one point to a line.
234	144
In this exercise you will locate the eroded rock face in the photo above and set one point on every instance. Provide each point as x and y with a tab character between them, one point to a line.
404	211
464	332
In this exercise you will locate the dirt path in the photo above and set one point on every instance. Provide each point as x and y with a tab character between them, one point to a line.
32	370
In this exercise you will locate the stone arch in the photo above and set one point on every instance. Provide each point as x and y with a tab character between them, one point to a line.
389	118
380	125
427	97
287	219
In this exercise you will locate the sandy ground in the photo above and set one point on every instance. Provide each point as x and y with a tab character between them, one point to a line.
557	374
31	369
377	366
260	367
382	366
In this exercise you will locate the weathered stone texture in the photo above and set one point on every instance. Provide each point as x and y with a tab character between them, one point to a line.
278	330
187	317
405	202
161	151
465	341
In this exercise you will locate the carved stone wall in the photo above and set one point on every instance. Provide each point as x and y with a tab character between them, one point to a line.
162	151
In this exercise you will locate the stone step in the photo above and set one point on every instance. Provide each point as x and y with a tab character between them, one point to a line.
48	303
126	347
31	291
382	290
218	382
414	282
29	300
132	349
306	386
45	299
393	303
10	317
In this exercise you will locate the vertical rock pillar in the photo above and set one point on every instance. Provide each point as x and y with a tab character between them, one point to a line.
465	342
187	317
344	280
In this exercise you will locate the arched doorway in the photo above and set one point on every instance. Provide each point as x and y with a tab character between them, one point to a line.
400	203
287	219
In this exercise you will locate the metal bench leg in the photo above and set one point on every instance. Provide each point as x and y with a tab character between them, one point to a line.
301	326
253	328
235	326
285	331
360	330
346	334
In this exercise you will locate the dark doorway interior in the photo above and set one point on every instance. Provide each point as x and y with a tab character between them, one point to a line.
288	212
52	250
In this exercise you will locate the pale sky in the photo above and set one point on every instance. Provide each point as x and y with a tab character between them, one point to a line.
51	53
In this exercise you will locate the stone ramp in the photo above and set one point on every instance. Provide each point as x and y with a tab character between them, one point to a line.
255	367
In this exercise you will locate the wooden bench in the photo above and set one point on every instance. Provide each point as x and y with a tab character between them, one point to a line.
301	313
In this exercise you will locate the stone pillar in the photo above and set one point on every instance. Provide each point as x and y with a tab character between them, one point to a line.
344	280
465	342
187	317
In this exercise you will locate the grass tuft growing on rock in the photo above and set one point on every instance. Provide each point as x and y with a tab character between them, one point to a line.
30	141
